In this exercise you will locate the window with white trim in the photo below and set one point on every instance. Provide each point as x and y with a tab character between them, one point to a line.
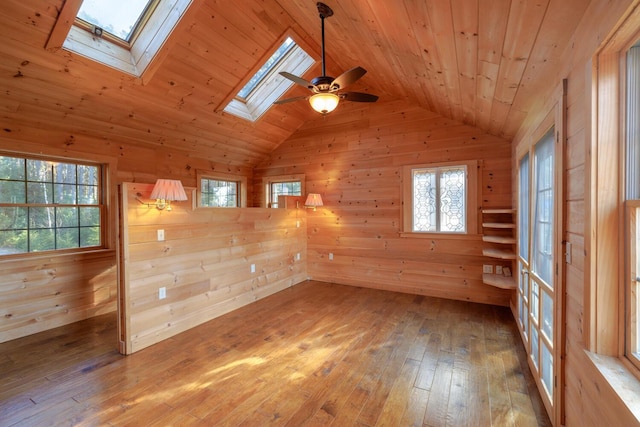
48	205
266	86
125	35
118	20
439	198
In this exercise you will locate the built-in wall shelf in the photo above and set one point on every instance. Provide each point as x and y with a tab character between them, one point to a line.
500	239
499	254
498	211
499	281
498	225
499	234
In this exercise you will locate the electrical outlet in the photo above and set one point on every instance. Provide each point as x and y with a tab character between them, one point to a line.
498	269
160	235
253	268
487	268
297	224
162	293
330	256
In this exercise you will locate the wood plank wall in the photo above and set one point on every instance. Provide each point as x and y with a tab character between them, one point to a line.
204	262
44	292
39	293
590	400
354	158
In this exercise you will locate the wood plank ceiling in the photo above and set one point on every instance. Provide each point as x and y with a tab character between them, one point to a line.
476	61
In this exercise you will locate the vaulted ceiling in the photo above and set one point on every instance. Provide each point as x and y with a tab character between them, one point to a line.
476	61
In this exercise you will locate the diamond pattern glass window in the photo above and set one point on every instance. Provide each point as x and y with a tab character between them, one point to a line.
439	199
218	193
48	205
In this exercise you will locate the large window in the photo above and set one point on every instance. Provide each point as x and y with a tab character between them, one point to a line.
632	195
611	243
49	205
439	198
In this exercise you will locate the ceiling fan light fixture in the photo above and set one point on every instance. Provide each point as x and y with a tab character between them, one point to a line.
325	99
324	102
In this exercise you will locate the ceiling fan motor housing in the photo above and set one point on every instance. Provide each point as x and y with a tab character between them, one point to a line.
323	84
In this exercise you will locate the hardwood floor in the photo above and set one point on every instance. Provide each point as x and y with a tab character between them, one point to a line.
315	354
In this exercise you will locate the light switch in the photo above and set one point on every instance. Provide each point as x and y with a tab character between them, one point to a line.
567	252
330	256
162	293
298	256
253	268
160	235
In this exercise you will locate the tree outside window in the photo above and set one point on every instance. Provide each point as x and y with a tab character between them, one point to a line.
49	205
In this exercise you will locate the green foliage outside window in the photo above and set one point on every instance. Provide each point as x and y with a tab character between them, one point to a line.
218	194
46	205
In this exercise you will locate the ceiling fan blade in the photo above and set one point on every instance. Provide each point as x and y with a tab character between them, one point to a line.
358	97
298	80
346	78
287	100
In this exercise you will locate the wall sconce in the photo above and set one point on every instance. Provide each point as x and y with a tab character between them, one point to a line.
313	201
166	191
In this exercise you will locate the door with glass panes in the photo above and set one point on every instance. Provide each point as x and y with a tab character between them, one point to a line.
537	297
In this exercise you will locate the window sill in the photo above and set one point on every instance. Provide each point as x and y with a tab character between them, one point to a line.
442	236
80	254
620	379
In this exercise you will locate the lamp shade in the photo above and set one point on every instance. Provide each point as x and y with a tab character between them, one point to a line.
168	189
324	102
313	200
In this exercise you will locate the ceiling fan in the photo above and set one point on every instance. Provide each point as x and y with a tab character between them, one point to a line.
325	96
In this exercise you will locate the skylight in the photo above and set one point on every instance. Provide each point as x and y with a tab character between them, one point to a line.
271	62
266	85
117	17
122	34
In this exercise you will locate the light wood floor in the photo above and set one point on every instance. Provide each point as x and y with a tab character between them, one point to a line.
315	354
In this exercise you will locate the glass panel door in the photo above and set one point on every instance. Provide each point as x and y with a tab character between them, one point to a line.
536	299
543	258
523	247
